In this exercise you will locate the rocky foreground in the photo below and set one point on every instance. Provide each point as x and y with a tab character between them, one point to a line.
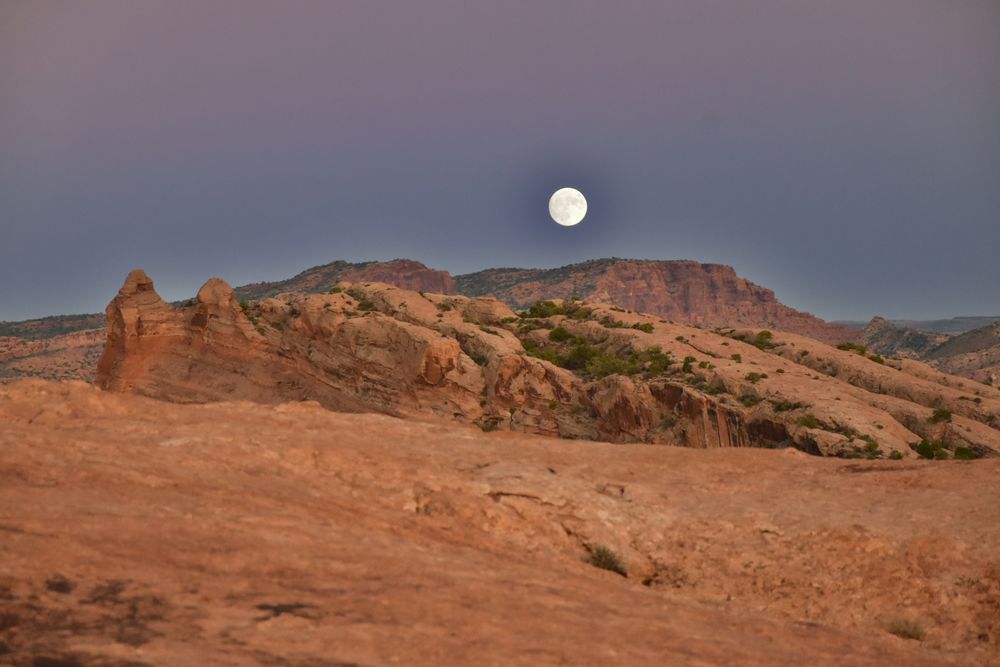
140	532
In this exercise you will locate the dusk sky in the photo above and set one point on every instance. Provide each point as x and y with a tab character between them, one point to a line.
845	153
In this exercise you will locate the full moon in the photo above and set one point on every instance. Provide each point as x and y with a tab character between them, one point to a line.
568	206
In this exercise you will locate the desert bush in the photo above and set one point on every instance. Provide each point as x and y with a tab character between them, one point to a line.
877	358
338	290
609	322
559	335
905	628
931	449
606	559
749	399
940	415
645	327
737	357
788	406
809	420
686	367
754	378
762	340
896	455
964	454
852	347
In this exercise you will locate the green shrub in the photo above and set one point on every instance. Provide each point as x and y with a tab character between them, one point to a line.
877	358
645	327
244	306
606	559
559	335
687	368
896	455
609	322
940	415
852	347
931	449
737	357
754	378
788	406
779	370
964	454
366	305
338	290
749	399
445	307
762	340
809	420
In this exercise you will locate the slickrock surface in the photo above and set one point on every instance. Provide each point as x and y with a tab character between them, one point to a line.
575	370
138	532
681	290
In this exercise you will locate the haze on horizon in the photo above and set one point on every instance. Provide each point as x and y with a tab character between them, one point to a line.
846	156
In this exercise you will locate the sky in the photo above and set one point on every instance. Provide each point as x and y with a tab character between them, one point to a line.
844	153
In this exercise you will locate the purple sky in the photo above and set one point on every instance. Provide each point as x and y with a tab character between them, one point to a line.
845	153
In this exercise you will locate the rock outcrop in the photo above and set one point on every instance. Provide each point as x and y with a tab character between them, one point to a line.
883	337
574	370
68	356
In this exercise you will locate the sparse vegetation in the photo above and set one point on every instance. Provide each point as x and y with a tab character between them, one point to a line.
645	327
763	340
788	406
607	559
853	347
338	290
940	415
905	628
896	455
754	378
809	420
737	357
877	358
559	335
749	399
965	454
932	449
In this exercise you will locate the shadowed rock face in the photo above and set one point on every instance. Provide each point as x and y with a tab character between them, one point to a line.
375	347
135	531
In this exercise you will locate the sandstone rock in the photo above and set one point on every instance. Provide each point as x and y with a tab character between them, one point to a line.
139	531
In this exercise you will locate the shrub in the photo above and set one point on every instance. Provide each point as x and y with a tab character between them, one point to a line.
553	405
931	449
606	559
788	406
366	305
809	420
645	327
853	347
964	454
877	358
762	340
905	628
779	370
896	455
244	306
445	307
940	415
338	290
609	322
687	368
737	357
749	399
559	335
754	378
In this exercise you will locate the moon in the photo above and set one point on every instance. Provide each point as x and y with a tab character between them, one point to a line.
568	206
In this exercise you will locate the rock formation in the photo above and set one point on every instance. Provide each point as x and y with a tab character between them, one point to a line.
570	369
684	291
